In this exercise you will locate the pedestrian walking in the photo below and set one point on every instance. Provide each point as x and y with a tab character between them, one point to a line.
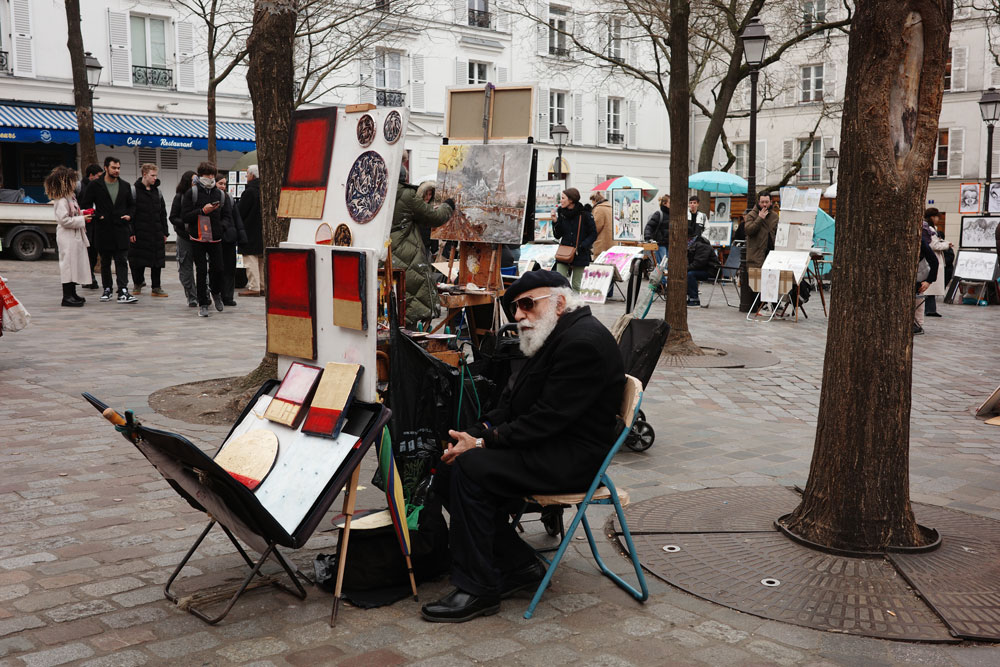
232	235
92	173
150	225
114	206
185	258
602	222
929	235
253	249
574	227
201	212
71	234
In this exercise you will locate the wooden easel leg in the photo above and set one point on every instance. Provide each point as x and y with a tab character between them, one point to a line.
350	493
413	581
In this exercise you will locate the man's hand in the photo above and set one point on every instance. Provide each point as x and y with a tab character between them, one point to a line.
127	218
132	239
463	443
923	287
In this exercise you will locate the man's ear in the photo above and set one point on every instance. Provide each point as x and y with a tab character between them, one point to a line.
560	304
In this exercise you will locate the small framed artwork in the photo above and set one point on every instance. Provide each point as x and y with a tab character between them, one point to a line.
722	208
968	201
719	233
973	265
291	302
978	232
994	198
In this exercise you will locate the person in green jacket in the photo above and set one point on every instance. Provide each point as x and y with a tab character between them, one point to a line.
413	214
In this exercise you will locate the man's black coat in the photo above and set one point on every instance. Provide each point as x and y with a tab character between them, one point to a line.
250	212
110	231
150	224
555	422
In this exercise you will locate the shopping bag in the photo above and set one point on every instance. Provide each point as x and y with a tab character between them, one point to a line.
13	315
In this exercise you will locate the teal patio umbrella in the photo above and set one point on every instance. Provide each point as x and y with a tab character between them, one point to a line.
720	182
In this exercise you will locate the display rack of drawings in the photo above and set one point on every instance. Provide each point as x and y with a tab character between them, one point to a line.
976	261
786	265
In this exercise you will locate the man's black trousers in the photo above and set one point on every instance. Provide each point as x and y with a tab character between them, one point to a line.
120	258
208	269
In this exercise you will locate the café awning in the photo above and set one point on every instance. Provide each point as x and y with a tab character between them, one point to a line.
54	125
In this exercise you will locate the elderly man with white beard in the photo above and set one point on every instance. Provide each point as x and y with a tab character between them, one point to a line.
554	424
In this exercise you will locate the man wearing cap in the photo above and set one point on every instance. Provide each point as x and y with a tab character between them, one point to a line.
550	432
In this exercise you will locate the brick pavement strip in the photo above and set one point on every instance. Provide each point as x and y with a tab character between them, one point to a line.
89	531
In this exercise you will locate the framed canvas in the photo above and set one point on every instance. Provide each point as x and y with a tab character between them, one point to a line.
350	293
723	206
993	205
307	167
546	198
969	198
719	233
975	265
978	232
291	302
596	282
626	214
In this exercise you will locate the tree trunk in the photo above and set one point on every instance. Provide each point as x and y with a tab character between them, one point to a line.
270	77
210	93
857	496
82	96
678	111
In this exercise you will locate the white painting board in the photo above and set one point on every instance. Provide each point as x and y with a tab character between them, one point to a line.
769	280
546	198
973	265
978	232
341	344
621	256
596	282
795	199
305	465
543	253
723	207
793	236
346	149
719	233
796	261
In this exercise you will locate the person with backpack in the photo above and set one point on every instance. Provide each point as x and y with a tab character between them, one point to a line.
150	227
185	260
201	213
703	264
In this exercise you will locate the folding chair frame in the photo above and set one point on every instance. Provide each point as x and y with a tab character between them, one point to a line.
602	478
721	278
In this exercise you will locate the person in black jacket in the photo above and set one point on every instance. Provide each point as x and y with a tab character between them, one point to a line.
925	278
150	225
185	259
703	263
571	218
92	173
550	432
201	213
113	231
232	235
657	230
253	249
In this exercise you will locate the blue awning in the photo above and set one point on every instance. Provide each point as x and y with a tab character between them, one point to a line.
36	124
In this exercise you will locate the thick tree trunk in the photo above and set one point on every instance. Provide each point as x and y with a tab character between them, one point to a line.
82	97
679	341
270	77
857	496
212	155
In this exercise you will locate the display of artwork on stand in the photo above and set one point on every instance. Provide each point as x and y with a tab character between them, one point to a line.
307	167
621	256
324	235
342	237
328	409
969	198
722	209
349	289
719	233
546	198
392	128
250	457
973	265
366	130
544	254
489	183
367	185
993	203
289	404
978	232
596	282
291	302
626	214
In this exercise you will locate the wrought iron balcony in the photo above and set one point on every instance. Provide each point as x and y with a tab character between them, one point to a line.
560	51
383	6
155	77
390	98
479	18
4	62
616	138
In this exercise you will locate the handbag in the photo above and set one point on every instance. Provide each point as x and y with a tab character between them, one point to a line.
567	253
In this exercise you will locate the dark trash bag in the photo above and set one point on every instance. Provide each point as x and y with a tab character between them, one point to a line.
498	358
640	345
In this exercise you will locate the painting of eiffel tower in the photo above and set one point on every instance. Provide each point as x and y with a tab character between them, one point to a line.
489	184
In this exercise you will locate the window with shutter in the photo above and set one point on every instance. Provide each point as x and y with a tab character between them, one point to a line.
742	152
956	152
22	47
830	81
812	160
761	161
631	130
543	114
940	166
602	121
577	136
557	109
119	55
542	28
992	69
366	78
787	155
503	74
185	56
615	122
169	158
959	67
417	82
461	72
811	83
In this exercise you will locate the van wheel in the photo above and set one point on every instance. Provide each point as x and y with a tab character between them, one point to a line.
28	246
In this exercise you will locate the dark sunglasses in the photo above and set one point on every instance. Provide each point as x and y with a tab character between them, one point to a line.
526	303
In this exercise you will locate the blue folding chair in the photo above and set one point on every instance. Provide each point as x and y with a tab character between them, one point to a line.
602	491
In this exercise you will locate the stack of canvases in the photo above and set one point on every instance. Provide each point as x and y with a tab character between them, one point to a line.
339	191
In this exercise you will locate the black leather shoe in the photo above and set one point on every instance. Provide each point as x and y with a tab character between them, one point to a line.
932	314
459	606
527	577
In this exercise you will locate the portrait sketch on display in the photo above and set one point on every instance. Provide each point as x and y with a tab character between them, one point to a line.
973	265
969	200
722	208
719	232
994	200
626	214
978	232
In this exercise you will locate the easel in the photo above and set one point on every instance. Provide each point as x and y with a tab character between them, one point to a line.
814	271
786	282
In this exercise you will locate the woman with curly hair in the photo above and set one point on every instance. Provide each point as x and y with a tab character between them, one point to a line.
71	234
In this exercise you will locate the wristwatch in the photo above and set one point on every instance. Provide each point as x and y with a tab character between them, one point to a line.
480	443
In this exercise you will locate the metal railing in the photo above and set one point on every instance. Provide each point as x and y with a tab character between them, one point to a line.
155	77
390	98
479	18
4	62
616	138
561	51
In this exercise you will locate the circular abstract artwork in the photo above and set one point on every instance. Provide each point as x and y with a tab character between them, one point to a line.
342	237
367	184
366	130
392	129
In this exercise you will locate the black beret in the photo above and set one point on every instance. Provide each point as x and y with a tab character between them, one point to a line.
530	280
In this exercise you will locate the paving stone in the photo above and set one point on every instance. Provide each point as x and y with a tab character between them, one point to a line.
426	645
491	649
119	659
15	644
546	656
774	653
24	561
61	633
110	587
77	610
58	656
131	617
324	655
253	648
19	623
720	631
371	659
178	648
115	640
43	600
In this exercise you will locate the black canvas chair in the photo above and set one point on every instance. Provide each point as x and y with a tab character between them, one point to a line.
728	273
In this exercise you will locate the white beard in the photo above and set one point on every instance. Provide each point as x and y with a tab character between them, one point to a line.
533	335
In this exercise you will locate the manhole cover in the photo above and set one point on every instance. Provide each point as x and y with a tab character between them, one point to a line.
711	510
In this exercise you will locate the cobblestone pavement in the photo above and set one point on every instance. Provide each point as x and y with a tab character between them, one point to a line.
89	531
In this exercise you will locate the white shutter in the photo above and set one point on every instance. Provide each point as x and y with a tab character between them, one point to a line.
956	151
366	78
761	161
120	51
787	155
185	57
461	11
792	84
830	81
602	121
543	115
542	28
461	72
502	20
23	45
632	125
502	74
962	10
959	67
577	125
996	157
416	82
992	70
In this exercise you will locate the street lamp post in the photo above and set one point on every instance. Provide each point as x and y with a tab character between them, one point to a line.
989	108
94	68
559	135
832	158
754	39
